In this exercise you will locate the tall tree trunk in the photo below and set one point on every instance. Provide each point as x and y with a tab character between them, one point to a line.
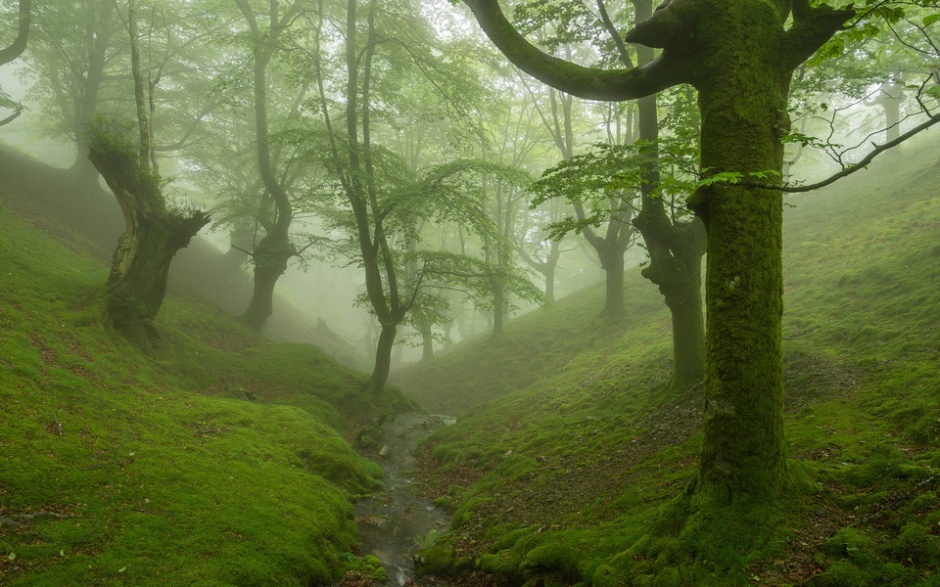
275	249
743	119
98	38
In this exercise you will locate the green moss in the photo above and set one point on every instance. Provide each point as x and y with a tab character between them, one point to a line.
839	574
140	469
851	544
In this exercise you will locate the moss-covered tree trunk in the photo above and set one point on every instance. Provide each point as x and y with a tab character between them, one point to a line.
743	120
740	55
152	236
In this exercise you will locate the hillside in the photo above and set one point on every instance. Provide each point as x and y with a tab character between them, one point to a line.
575	471
43	193
221	460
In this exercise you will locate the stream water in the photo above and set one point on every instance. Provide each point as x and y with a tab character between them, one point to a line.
393	524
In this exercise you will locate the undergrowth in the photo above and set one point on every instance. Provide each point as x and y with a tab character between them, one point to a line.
577	471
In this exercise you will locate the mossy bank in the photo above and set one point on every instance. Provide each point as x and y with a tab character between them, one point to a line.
220	459
579	473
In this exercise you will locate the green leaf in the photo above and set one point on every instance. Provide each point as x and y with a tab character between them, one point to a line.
723	177
930	19
12	556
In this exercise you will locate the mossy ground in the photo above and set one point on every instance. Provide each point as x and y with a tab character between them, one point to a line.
578	472
222	459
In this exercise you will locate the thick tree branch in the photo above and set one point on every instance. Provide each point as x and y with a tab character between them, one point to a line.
812	27
583	82
19	44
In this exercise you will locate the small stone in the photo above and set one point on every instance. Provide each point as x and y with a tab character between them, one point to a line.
384	452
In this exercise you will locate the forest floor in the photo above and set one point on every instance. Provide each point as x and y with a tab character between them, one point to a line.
568	463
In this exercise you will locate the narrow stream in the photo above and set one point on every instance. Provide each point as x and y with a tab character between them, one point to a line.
393	524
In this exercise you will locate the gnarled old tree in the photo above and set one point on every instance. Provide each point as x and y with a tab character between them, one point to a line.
14	50
153	232
739	55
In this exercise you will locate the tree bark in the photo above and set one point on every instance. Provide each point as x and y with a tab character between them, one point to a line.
270	259
383	359
140	266
743	120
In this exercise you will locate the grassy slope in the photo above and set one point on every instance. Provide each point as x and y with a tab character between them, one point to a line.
121	469
573	477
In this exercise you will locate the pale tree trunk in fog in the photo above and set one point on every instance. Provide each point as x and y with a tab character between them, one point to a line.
275	249
889	97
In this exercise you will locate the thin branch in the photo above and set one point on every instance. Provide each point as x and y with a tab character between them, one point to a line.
849	170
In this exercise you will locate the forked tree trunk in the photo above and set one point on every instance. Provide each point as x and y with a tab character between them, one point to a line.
152	236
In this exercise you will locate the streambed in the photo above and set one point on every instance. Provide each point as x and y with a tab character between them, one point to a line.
393	524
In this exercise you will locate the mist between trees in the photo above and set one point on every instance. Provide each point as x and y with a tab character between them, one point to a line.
433	180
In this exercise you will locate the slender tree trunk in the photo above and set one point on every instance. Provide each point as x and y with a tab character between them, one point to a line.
427	345
383	359
613	301
99	37
275	249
